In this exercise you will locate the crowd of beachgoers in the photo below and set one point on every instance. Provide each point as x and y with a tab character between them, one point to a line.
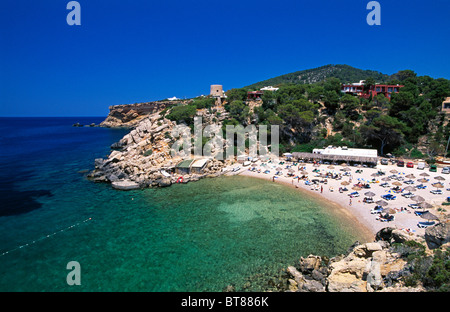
411	199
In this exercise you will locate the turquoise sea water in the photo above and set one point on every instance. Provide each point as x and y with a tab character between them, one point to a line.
199	236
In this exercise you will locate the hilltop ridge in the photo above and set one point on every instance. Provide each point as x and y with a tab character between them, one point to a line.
345	73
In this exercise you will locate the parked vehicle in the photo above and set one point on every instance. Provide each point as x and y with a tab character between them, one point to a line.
384	161
446	170
421	165
409	164
400	163
433	168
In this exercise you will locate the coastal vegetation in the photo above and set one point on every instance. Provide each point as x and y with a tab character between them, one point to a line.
313	112
430	270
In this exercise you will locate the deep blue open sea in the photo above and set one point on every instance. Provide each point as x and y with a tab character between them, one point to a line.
200	236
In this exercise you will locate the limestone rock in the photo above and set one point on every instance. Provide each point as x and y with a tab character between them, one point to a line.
164	182
374	279
310	263
437	235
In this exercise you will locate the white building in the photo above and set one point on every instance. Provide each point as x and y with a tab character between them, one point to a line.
344	151
269	88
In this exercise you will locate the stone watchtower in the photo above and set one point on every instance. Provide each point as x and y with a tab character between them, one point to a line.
217	93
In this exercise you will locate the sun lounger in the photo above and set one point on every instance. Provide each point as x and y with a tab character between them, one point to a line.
388	219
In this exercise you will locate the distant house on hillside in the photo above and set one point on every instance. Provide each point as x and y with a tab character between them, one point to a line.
358	89
254	95
269	88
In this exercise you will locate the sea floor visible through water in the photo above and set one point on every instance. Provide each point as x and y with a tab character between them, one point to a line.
200	236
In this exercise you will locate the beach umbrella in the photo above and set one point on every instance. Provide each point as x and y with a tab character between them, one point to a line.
428	216
304	172
424	174
388	210
370	194
418	198
345	183
330	167
439	178
410	176
291	170
347	169
356	188
438	185
397	183
393	171
423	180
410	189
381	203
386	179
279	169
374	175
425	205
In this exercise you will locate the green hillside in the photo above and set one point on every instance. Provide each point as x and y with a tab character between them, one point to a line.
311	111
345	73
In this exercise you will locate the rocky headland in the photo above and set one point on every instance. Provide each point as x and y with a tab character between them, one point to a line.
129	115
143	158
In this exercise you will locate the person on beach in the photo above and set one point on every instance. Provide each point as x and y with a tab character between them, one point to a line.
321	189
350	203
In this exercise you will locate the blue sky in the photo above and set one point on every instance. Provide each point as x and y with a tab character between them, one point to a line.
135	51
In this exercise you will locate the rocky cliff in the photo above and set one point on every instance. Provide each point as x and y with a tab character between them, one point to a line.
143	157
384	265
129	115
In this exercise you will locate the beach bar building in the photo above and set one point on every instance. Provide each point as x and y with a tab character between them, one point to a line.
189	166
184	167
340	154
199	165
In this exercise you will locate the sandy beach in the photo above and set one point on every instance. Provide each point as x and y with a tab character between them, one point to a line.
404	216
